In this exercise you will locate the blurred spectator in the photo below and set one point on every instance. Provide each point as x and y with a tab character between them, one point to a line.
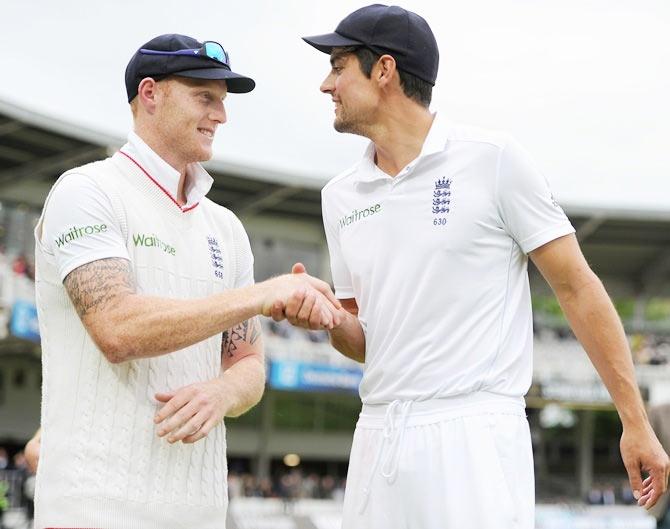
327	487
338	491
317	336
20	463
280	328
265	488
609	498
29	496
249	487
20	265
289	489
659	417
595	496
4	503
310	486
234	485
26	478
626	493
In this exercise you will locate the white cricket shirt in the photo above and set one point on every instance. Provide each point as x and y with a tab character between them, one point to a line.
436	259
102	463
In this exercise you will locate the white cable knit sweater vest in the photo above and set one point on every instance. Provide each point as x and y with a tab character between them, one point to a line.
102	464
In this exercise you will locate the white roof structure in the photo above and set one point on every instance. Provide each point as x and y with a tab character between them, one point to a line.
582	85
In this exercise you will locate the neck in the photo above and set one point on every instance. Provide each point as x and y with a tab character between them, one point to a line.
399	135
157	145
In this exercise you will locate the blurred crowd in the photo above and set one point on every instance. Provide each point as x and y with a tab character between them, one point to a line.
610	493
17	487
283	329
649	349
291	485
17	483
646	348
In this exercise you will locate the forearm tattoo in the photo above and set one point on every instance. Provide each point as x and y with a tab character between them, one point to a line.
247	331
92	286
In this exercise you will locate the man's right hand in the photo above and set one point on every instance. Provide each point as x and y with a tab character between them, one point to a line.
309	301
346	333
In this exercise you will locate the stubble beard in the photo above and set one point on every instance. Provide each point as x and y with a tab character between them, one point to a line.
194	151
348	125
204	154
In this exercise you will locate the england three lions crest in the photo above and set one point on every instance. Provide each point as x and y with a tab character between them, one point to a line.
442	196
216	256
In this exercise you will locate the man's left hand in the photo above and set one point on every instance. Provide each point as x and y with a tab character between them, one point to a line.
191	412
642	452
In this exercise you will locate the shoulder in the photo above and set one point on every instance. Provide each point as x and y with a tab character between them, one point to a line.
97	169
84	177
220	214
477	137
213	209
345	178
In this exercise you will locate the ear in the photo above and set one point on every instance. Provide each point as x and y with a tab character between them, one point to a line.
384	70
147	94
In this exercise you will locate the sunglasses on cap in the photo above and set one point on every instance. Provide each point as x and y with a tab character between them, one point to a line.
209	48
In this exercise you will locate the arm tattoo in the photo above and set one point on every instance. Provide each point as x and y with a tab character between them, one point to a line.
246	331
92	286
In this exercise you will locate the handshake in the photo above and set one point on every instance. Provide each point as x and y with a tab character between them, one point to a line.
303	300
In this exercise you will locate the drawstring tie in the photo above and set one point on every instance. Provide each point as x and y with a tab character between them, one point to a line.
393	435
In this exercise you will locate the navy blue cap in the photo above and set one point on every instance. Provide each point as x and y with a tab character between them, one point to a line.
195	66
391	30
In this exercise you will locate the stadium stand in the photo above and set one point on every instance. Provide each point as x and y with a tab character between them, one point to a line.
311	404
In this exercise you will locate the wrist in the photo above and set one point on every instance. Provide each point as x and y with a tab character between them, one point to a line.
639	425
345	316
631	410
257	295
635	421
223	393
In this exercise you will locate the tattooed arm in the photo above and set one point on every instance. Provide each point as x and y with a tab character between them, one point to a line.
243	365
235	341
127	325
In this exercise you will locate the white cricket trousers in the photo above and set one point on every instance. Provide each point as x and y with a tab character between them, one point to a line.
462	462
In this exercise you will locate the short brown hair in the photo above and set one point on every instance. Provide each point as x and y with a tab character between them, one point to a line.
413	87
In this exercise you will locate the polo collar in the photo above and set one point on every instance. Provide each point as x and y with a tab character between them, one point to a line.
435	142
198	181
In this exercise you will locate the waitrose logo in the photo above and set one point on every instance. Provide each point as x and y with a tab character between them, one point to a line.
77	232
153	241
359	214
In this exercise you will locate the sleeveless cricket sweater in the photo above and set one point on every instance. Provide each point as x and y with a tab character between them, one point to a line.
102	464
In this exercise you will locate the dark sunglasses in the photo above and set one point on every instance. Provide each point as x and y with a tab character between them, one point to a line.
209	48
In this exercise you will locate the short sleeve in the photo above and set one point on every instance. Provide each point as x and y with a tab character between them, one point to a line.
338	268
79	225
244	257
529	212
